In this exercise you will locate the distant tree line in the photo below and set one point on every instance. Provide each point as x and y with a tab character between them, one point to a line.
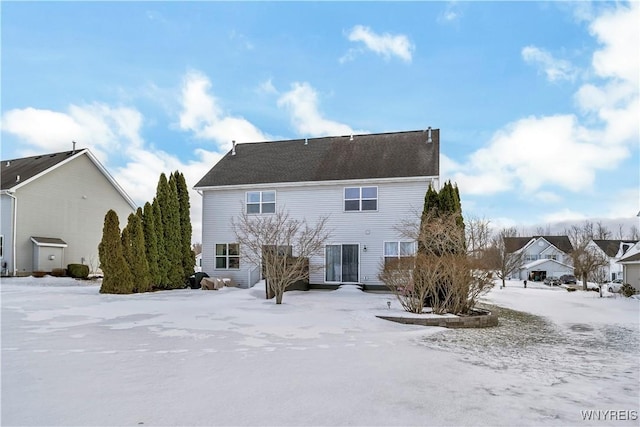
153	251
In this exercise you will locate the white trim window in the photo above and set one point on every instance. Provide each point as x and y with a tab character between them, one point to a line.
357	199
227	256
261	202
394	251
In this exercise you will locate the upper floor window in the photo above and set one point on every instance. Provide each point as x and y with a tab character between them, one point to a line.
259	202
361	199
228	255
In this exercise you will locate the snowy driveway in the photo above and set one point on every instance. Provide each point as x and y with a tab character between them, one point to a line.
71	356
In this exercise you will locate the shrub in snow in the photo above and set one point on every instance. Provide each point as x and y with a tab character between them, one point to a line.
627	290
78	271
58	272
571	289
117	275
38	273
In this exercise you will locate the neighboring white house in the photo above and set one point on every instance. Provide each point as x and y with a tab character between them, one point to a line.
631	266
365	184
52	210
542	256
612	250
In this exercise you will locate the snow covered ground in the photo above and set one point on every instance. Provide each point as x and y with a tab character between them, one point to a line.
71	356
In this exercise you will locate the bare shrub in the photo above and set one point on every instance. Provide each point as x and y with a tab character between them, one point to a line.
441	274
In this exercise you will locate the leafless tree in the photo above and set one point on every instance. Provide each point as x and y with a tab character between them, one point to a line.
634	233
585	259
478	235
283	245
543	231
499	259
601	232
196	248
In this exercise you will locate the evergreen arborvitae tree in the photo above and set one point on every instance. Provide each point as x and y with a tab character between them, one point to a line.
173	239
151	243
138	255
167	196
188	257
126	244
117	275
163	265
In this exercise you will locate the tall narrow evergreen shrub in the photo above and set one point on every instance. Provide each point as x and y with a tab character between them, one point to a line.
151	243
138	255
117	275
188	257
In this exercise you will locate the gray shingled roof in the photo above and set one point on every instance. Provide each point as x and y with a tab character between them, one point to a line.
611	247
513	244
383	155
28	167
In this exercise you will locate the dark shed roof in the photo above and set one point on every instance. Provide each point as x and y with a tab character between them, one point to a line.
513	244
383	155
28	167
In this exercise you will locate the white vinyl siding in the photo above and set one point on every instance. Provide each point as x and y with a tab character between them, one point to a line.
401	200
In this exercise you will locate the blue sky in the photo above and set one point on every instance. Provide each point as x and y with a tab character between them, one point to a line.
537	102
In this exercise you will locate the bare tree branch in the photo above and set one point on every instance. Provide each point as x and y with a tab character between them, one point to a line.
282	245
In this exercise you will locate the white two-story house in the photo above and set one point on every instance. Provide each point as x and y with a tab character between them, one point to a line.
613	251
542	256
365	184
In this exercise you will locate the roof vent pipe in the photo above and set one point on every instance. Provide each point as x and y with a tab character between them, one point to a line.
74	147
351	137
17	178
306	141
8	162
429	134
233	150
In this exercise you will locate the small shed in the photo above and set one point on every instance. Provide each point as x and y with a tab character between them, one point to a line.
48	253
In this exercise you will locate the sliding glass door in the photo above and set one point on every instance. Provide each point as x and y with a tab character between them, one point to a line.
342	263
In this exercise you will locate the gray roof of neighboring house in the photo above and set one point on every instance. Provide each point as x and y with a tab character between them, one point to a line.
27	167
382	155
611	247
513	244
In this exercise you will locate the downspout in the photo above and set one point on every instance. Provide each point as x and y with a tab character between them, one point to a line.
14	235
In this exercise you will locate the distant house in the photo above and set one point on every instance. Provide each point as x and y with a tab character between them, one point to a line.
53	208
613	251
542	256
365	184
630	262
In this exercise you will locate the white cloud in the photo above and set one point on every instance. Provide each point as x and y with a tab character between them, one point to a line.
105	128
565	151
202	115
555	69
451	13
386	45
618	31
564	215
302	103
547	197
267	88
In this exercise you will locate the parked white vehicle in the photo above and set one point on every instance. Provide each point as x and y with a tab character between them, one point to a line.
614	286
